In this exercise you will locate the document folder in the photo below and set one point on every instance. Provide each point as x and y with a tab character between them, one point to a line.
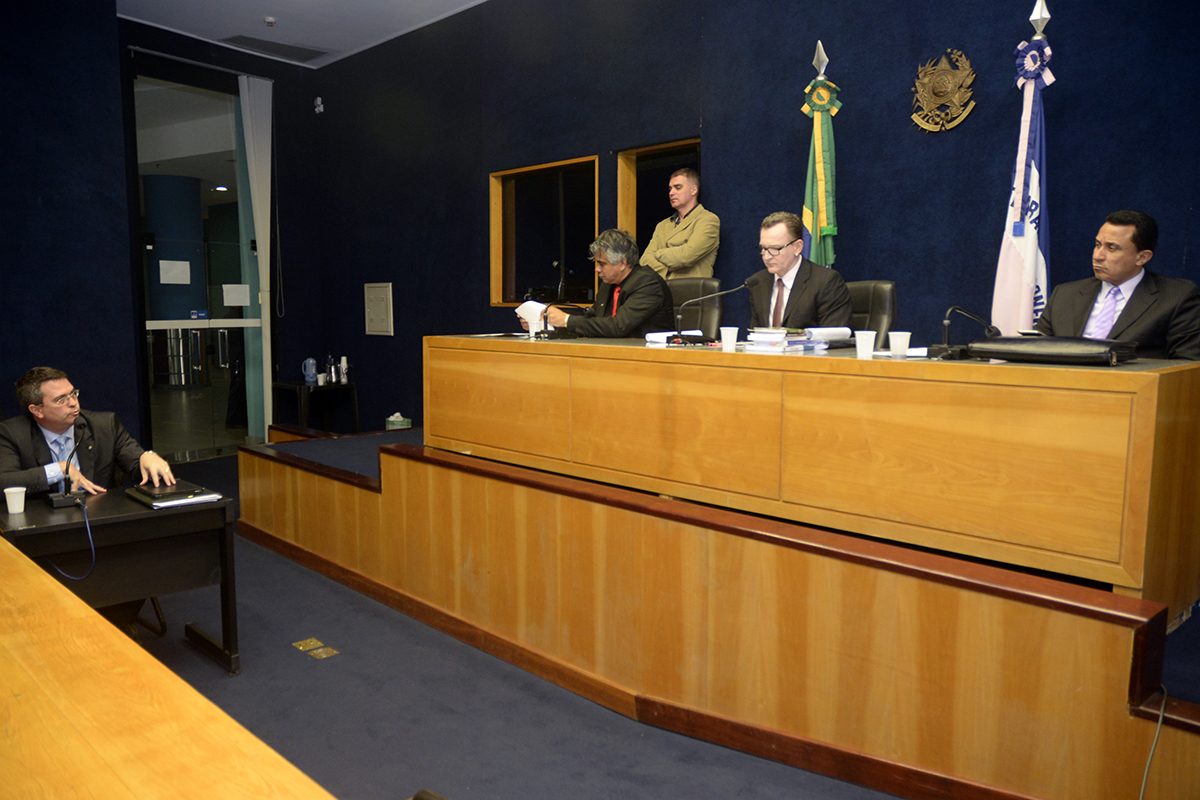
163	496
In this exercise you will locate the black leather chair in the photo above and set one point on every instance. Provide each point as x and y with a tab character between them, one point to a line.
873	308
704	316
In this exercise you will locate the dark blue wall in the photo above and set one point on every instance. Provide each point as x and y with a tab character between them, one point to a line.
390	182
67	288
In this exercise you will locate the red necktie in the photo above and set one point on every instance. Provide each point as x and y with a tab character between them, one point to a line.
616	296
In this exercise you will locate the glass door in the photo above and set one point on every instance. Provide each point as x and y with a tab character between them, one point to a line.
200	269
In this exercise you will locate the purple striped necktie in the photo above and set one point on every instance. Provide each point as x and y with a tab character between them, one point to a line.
1107	315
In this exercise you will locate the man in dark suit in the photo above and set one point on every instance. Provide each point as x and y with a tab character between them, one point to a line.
1125	301
57	443
633	301
793	292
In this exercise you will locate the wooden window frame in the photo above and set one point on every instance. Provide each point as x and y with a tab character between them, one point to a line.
627	180
501	199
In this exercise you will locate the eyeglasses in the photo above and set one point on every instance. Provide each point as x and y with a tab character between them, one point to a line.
774	251
62	399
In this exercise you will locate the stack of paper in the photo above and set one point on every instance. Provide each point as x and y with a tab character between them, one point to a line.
809	334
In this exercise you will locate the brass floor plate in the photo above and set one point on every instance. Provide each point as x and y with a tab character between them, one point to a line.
315	648
323	652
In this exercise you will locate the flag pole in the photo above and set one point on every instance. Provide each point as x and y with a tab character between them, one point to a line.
820	206
1022	269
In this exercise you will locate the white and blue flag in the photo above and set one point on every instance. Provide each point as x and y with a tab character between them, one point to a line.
1021	273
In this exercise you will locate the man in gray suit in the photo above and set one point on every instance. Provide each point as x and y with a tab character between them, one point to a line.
1125	301
55	442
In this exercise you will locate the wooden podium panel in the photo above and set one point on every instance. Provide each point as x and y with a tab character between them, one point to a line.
511	401
1088	472
680	423
1041	468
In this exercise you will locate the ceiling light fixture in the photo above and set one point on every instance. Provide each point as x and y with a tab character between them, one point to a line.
269	21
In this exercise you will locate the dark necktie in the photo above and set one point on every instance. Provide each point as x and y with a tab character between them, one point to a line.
777	314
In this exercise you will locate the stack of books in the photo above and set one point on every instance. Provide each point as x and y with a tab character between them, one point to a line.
783	340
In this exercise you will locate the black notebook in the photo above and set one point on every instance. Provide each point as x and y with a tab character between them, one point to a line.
163	496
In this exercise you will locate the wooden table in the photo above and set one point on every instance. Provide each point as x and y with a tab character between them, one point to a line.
140	553
89	713
1086	472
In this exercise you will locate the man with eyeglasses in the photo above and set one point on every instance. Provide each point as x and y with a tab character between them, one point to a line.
56	445
793	292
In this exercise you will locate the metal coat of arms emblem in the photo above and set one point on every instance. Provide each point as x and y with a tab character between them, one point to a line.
943	92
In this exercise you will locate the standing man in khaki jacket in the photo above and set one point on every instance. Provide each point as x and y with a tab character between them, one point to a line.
685	244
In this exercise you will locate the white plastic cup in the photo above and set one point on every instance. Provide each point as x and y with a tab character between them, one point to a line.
899	344
864	344
321	378
729	339
15	497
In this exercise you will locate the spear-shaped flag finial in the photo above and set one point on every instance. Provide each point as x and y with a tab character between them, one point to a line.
820	60
1039	18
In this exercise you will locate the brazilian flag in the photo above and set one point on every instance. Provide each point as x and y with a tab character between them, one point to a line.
820	207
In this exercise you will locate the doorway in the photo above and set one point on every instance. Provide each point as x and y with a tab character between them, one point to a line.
199	267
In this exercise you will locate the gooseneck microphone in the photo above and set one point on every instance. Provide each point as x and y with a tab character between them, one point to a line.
948	353
679	338
66	497
989	330
557	333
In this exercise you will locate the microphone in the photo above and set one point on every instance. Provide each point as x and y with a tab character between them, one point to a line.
947	353
66	497
557	333
679	338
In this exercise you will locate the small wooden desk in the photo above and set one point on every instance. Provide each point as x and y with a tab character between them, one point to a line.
140	552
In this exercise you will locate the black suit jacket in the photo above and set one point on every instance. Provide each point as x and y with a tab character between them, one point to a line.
819	299
644	305
106	452
1162	316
